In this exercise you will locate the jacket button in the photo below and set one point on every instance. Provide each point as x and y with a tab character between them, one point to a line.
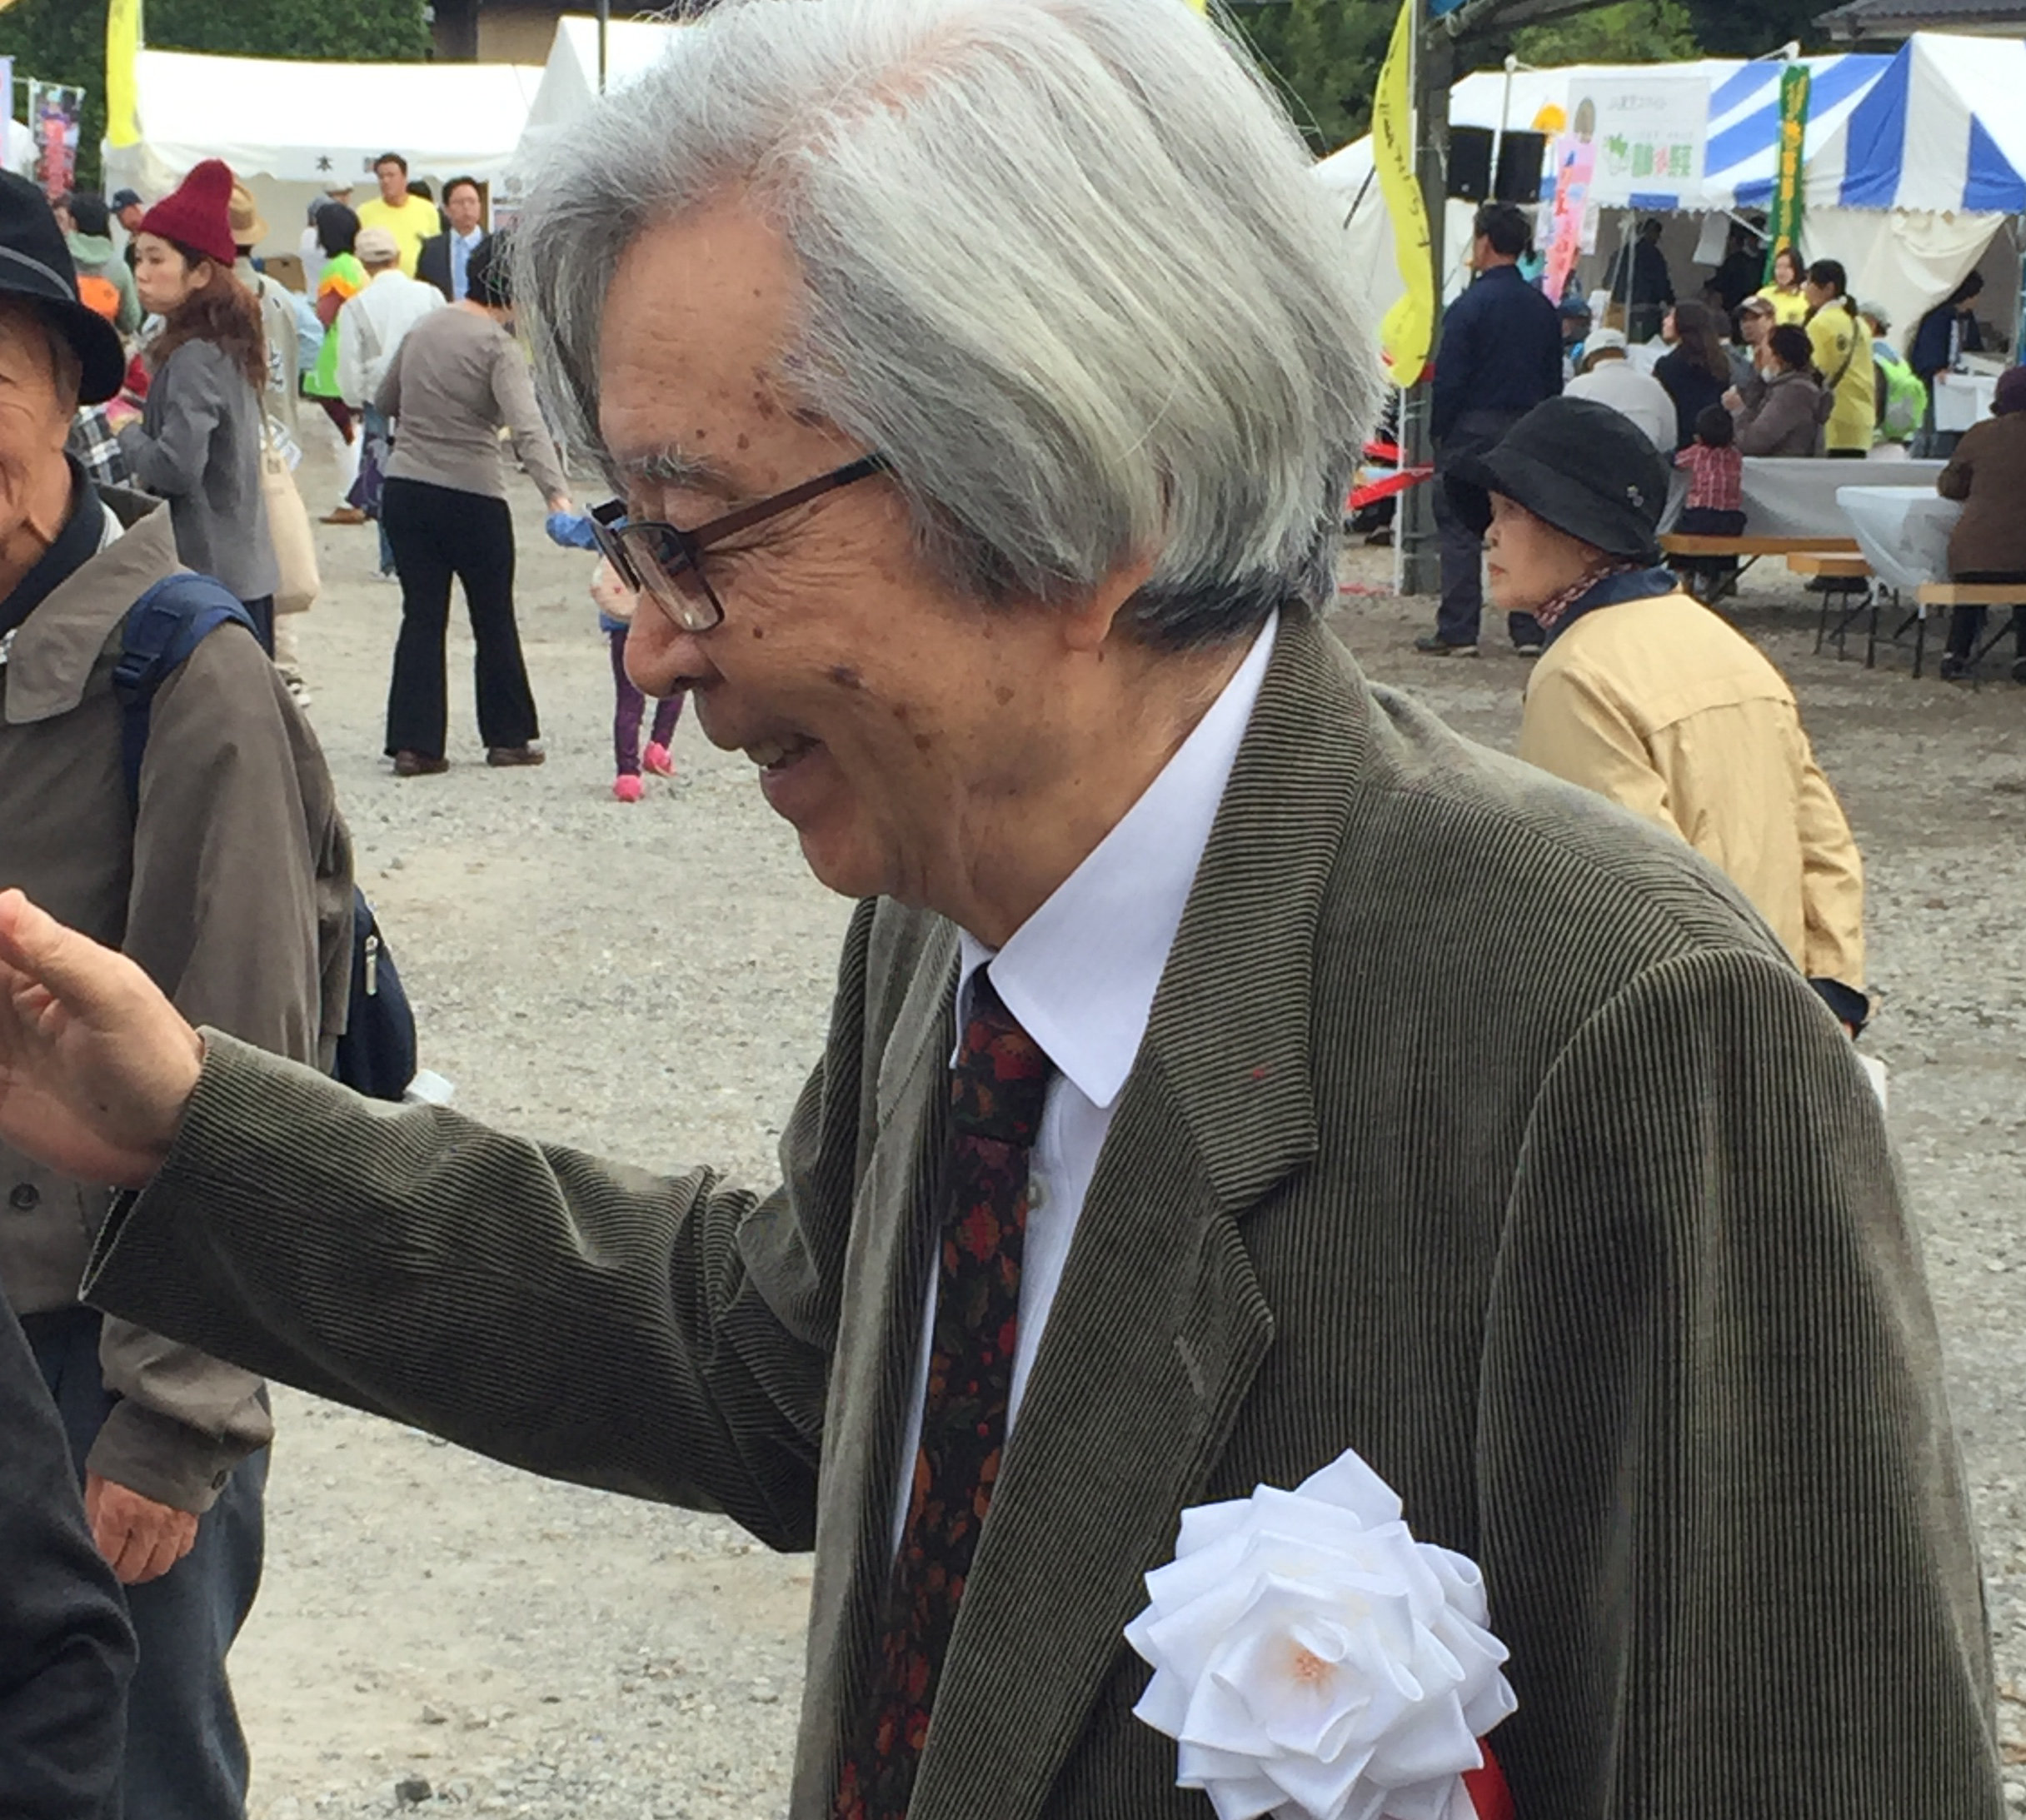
25	1198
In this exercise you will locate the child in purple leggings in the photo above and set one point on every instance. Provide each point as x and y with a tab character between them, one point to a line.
616	604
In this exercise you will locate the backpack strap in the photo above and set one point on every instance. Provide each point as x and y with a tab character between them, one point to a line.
169	622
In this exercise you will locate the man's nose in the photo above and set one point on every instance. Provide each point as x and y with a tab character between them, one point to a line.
662	658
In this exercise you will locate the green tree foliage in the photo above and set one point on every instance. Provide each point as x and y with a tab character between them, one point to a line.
1629	32
1752	27
65	40
1325	57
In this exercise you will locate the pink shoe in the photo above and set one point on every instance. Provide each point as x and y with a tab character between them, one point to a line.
655	758
627	788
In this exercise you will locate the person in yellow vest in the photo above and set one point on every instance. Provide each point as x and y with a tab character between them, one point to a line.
1842	347
411	219
1646	697
1785	293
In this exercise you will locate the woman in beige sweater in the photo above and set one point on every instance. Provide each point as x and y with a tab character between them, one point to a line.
458	379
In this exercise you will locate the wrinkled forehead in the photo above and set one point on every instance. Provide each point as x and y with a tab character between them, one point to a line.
697	389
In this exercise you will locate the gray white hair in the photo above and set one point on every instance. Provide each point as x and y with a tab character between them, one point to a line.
1066	269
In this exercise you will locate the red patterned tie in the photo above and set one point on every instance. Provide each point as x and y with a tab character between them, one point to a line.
996	1091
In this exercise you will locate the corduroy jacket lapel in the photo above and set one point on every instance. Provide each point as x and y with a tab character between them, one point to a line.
1160	1324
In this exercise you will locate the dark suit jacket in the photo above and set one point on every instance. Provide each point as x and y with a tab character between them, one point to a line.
432	263
66	1648
1587	1237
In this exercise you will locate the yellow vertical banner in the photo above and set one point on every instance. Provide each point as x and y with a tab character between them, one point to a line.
122	49
1409	326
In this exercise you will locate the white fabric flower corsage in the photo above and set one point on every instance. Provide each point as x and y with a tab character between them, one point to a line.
1312	1659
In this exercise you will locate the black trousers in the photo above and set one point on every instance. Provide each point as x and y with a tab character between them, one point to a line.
439	533
1966	623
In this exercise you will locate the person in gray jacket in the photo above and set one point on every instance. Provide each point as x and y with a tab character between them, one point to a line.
198	442
226	877
1781	412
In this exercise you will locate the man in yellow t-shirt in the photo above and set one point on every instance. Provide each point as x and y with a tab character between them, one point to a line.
1842	357
410	219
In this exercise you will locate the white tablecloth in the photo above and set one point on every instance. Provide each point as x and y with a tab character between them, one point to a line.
1797	498
1963	399
1903	534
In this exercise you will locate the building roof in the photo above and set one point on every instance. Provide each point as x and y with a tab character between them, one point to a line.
1902	19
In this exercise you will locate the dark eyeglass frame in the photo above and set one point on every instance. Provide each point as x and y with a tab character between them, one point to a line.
665	563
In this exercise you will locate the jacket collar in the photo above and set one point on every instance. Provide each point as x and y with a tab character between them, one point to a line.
1625	585
1160	1324
53	654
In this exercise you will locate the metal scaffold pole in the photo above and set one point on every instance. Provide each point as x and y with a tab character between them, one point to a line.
1434	64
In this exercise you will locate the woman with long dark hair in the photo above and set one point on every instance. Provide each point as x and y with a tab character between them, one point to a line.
198	442
1789	306
1696	369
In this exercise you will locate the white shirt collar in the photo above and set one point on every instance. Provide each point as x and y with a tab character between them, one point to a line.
1082	972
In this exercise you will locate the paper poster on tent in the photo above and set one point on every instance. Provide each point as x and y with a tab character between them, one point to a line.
54	111
1648	135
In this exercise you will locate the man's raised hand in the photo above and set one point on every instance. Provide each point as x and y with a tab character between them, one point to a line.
96	1066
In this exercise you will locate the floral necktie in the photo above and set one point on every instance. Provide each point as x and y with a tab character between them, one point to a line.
997	1092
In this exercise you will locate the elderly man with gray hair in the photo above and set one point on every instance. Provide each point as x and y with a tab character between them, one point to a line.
981	376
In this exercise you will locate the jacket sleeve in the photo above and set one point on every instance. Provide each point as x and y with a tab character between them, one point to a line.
668	1338
1953	481
1832	882
223	916
170	461
1572	729
1748	1476
1455	356
513	390
356	341
66	1649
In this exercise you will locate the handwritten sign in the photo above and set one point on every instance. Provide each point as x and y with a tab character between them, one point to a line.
1648	135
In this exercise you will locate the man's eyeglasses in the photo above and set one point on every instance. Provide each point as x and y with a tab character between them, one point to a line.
666	563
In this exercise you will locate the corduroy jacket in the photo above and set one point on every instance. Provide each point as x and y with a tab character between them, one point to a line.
1589	1244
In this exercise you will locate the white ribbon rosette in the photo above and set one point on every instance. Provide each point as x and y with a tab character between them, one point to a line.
1311	1659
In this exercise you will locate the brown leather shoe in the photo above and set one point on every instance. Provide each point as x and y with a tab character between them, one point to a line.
502	756
345	515
419	765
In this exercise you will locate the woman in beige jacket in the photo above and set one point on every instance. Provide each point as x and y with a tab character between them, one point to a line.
1645	696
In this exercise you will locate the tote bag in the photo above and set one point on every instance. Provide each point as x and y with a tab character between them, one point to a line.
288	525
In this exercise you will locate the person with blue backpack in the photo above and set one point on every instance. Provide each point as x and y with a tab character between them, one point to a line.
158	781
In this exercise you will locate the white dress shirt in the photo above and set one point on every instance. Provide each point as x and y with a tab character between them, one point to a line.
1081	975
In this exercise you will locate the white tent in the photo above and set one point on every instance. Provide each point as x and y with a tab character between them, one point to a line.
1911	165
290	131
569	86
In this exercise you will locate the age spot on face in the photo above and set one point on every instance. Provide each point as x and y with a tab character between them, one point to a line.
1003	694
923	742
759	631
745	442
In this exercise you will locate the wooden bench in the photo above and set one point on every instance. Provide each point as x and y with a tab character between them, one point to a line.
1847	586
1936	595
1709	589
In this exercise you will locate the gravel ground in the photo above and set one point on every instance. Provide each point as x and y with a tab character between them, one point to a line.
651	982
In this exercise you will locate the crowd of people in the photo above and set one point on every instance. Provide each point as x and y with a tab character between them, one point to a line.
1794	368
1160	1148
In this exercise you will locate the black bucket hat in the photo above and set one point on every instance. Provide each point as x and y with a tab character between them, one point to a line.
1578	466
36	264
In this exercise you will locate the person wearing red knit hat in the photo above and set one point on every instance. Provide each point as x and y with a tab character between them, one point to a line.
197	444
